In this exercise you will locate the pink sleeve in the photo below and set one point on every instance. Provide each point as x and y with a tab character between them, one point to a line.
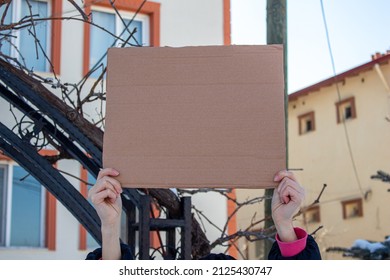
289	249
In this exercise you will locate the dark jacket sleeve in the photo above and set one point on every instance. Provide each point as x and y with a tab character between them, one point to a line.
126	253
311	252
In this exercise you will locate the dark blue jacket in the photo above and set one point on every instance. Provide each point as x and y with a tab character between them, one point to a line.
311	252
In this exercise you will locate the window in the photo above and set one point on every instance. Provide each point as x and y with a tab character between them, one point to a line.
30	45
22	208
23	43
346	110
27	211
306	123
312	215
147	23
352	208
6	36
101	40
33	53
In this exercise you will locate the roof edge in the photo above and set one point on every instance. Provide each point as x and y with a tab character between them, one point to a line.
338	78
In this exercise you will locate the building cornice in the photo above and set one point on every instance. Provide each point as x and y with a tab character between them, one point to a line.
377	59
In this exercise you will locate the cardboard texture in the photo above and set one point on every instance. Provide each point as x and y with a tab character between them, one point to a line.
195	117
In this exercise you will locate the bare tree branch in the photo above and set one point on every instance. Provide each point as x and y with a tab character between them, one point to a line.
80	10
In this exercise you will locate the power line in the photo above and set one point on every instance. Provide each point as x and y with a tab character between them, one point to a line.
339	98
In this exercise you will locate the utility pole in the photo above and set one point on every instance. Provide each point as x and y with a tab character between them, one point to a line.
276	34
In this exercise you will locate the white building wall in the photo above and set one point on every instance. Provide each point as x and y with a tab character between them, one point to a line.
191	23
72	41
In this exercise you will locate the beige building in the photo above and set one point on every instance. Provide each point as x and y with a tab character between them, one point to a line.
339	134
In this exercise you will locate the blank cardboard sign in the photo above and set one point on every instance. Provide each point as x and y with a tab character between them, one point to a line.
195	117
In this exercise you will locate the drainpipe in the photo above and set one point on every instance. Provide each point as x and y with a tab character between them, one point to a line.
385	84
382	77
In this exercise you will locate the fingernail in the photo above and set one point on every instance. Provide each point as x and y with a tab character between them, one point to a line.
116	172
276	177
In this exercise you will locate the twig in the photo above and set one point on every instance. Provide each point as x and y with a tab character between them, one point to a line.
319	196
132	19
316	201
314	232
75	177
248	235
200	213
80	10
8	2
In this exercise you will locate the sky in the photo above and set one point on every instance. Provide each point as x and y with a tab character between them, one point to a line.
357	29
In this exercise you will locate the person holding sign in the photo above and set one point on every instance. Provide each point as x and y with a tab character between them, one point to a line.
291	242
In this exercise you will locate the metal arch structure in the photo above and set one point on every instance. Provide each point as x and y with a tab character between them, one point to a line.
61	125
25	154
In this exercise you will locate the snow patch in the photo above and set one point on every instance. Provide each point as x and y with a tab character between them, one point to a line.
366	245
